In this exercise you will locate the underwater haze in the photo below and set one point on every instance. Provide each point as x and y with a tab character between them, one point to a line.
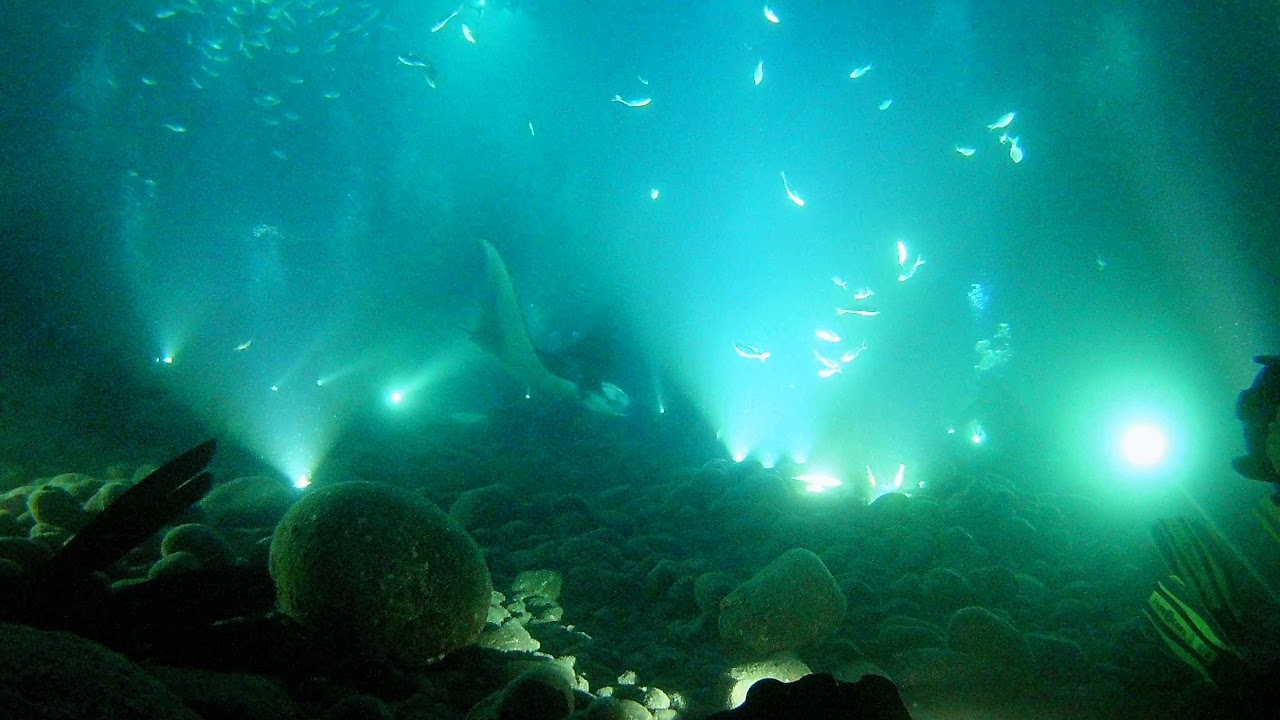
857	242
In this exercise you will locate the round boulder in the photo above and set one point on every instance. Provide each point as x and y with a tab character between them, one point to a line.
981	634
793	601
382	570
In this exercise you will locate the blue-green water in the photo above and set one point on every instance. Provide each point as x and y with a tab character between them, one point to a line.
273	196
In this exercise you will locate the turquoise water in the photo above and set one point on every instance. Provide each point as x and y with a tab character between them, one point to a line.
261	220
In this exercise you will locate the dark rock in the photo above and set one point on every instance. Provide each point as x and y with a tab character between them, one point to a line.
59	676
227	696
820	696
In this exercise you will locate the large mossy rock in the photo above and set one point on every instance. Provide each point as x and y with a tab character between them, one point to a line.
381	570
793	601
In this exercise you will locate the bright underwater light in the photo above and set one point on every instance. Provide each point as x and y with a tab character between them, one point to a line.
816	482
1143	445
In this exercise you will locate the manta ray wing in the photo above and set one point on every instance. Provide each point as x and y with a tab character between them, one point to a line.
502	332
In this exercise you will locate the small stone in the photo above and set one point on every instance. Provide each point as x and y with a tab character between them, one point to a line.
54	505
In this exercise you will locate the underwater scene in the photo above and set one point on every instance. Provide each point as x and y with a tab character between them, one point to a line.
639	359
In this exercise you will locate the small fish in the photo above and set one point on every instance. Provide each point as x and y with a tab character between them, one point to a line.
196	83
1015	150
279	154
331	94
634	103
440	25
137	25
787	187
466	33
825	361
863	293
1099	262
859	72
902	253
653	194
531	132
165	13
851	355
751	352
268	100
758	75
840	283
1003	122
411	60
244	345
826	336
642	80
885	104
827	372
770	15
861	312
910	273
965	150
175	127
148	81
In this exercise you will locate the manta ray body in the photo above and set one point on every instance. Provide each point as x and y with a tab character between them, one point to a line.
501	331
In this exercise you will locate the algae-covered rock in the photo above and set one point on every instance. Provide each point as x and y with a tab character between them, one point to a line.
490	506
178	563
254	501
200	540
981	634
710	588
543	692
944	590
382	570
538	583
55	505
793	601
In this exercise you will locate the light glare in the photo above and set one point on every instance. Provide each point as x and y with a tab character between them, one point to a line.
1144	445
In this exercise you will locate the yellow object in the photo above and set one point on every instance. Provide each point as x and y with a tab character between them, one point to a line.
1190	633
1196	554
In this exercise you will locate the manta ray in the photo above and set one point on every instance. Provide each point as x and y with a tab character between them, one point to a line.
502	332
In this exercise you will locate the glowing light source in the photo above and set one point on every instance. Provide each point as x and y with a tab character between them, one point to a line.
1144	445
166	360
816	482
979	435
396	397
302	481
